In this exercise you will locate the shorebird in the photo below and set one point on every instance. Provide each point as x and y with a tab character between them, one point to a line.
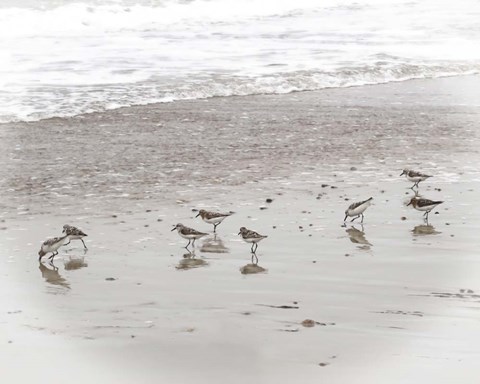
51	245
415	177
251	237
214	218
357	209
188	233
423	205
74	234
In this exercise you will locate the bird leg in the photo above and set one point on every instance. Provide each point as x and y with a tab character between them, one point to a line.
355	218
426	216
362	218
189	240
83	244
345	219
215	227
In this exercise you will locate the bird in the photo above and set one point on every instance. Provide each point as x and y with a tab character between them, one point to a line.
251	237
357	209
188	233
214	218
415	177
421	204
74	234
51	245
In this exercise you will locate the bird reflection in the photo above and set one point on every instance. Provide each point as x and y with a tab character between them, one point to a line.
52	276
214	244
424	229
189	261
74	263
252	268
358	237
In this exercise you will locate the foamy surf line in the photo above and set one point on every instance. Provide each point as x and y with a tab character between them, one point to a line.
202	92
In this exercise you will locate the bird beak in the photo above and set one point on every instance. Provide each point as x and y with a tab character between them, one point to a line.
401	174
239	233
198	214
63	231
409	203
173	229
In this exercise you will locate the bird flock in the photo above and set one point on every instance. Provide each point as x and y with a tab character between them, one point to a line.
355	211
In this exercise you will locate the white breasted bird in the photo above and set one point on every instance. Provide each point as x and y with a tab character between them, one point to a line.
250	236
51	245
357	209
74	234
214	218
414	177
188	233
424	205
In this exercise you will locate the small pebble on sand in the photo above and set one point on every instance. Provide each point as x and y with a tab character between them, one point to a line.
308	323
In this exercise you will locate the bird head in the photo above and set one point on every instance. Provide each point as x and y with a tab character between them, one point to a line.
178	226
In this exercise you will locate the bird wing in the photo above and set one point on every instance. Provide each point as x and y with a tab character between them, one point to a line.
190	231
75	231
417	174
356	205
51	241
211	215
248	234
427	202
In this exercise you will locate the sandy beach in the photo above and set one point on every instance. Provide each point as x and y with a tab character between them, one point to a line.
395	300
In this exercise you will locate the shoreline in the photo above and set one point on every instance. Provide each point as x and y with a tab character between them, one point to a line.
395	299
156	104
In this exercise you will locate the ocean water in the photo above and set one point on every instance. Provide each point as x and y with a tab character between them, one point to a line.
64	58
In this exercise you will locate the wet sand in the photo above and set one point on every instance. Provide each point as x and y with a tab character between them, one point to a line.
393	301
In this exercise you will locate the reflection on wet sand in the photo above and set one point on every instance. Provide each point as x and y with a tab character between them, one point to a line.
358	237
75	263
52	276
189	261
214	245
424	229
251	269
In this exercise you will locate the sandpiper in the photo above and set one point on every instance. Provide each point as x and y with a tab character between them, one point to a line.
357	209
423	205
188	233
214	218
74	234
251	237
51	245
415	177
